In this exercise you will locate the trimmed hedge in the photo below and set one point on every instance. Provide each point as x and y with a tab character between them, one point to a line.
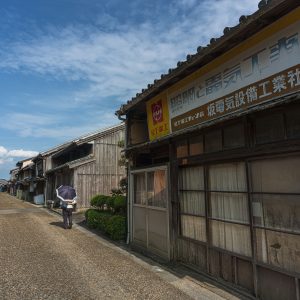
116	227
116	203
97	219
119	204
112	225
99	201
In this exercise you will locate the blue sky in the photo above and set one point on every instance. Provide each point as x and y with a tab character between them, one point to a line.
67	65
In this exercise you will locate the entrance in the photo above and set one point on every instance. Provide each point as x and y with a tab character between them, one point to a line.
150	218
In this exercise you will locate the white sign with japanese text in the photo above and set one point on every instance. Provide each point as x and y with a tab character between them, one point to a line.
241	80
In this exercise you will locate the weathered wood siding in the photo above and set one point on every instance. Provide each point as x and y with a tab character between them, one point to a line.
104	174
48	163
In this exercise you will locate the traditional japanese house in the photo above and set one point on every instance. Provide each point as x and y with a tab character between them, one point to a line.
90	163
38	180
214	157
3	185
13	180
25	175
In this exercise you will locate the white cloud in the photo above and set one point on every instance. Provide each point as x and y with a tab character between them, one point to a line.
121	63
7	156
22	153
114	64
27	124
3	151
49	126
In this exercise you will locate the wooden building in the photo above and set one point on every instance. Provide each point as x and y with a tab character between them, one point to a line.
13	180
89	163
214	157
24	184
4	185
39	180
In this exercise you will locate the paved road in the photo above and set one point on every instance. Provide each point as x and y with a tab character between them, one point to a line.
39	259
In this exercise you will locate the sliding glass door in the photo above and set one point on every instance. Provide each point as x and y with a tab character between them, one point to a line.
150	219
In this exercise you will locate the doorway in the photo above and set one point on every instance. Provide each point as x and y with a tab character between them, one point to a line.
150	217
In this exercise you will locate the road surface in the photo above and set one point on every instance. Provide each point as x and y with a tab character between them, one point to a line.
39	259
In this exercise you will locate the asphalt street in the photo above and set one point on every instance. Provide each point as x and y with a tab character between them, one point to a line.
39	259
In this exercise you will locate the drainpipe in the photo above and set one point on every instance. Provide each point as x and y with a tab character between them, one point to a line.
128	206
128	181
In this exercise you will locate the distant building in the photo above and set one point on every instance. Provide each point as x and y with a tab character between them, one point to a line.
3	185
24	184
90	163
12	181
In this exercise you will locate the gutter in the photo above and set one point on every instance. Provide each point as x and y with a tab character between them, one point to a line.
128	206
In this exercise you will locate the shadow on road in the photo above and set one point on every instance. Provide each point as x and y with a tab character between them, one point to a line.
176	269
58	224
166	269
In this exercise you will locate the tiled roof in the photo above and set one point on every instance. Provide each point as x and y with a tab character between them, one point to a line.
73	163
84	138
248	25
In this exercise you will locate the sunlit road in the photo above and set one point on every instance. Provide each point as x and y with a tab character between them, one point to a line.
39	259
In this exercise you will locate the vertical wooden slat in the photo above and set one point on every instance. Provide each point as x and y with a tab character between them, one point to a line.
297	289
207	210
173	202
253	238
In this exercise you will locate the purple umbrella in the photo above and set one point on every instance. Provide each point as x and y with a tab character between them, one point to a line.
65	192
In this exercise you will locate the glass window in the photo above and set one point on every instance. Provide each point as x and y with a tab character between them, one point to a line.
278	175
269	128
157	188
191	178
234	136
192	203
229	203
293	122
213	141
196	145
230	207
140	189
182	149
193	227
228	177
231	237
278	249
277	211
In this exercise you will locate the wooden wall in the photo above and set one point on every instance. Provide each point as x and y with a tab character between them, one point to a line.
104	174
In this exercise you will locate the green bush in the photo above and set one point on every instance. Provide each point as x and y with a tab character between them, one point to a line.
99	201
112	225
86	213
97	219
116	227
110	203
91	217
115	203
119	204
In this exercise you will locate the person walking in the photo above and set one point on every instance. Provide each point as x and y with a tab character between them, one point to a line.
67	196
67	212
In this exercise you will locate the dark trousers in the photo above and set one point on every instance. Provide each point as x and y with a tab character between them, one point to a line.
67	216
